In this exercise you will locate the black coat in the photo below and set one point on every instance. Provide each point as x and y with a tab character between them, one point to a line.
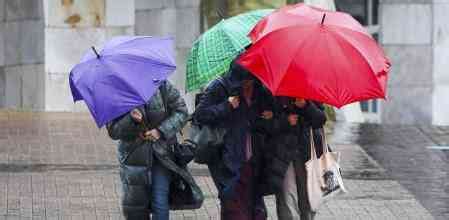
291	143
214	110
136	156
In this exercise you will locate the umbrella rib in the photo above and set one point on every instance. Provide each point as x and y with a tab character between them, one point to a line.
141	57
313	21
132	40
374	74
334	73
327	24
102	49
349	29
302	17
265	60
215	48
357	49
300	46
117	76
131	55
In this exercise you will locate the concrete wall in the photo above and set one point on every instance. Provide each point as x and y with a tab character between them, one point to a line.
178	18
406	35
21	54
41	40
71	28
441	62
415	34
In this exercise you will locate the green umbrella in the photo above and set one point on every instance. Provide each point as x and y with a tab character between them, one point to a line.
213	51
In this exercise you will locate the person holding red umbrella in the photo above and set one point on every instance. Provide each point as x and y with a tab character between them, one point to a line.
315	54
310	53
288	151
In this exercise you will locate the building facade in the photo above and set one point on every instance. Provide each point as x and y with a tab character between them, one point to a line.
40	40
415	34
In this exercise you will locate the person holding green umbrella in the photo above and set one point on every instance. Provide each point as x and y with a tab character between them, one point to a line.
213	51
237	103
234	102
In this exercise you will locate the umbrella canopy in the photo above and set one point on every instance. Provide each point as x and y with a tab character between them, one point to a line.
311	53
213	51
123	75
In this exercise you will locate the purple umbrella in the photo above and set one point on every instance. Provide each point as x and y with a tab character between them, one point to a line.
123	75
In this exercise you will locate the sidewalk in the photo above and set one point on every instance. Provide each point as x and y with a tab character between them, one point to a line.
60	166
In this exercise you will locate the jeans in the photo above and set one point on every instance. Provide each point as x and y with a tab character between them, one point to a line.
160	189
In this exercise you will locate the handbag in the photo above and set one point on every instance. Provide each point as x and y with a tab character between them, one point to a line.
208	141
323	174
184	153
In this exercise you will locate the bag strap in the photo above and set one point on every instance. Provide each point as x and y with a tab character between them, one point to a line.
222	84
324	141
313	155
163	91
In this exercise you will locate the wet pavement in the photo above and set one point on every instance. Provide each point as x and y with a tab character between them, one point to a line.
60	166
403	151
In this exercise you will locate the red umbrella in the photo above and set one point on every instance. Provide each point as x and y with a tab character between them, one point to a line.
312	53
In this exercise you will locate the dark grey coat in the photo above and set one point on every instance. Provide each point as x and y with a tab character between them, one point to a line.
136	156
291	143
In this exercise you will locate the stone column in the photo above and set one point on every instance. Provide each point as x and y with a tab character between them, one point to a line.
71	28
441	62
2	53
21	54
406	35
177	18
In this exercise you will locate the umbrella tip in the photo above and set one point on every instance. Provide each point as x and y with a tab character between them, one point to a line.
96	53
219	13
322	20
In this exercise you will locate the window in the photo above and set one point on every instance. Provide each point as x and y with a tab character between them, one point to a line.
369	106
364	11
367	13
375	12
357	8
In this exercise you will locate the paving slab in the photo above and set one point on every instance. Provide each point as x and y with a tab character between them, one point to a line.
60	166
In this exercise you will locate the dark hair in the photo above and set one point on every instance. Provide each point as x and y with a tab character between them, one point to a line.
238	72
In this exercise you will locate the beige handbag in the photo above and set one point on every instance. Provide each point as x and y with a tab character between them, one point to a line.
323	174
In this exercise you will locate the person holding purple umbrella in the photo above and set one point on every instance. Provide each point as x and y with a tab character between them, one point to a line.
152	181
125	88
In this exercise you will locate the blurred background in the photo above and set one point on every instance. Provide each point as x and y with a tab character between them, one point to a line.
40	40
